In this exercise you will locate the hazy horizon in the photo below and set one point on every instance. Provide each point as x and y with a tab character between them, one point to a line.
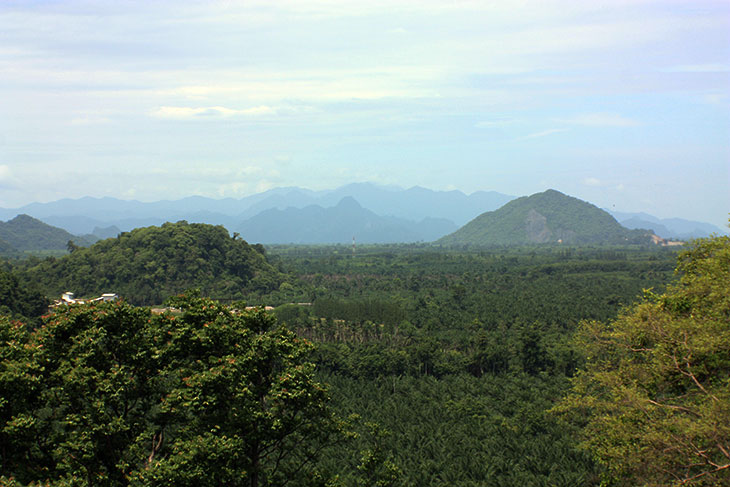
625	104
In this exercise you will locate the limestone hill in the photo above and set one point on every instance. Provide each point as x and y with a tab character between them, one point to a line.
550	217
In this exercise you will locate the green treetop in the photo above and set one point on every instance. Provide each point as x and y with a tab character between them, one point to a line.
654	398
109	394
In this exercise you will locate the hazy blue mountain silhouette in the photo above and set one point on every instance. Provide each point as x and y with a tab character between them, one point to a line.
338	224
81	216
676	228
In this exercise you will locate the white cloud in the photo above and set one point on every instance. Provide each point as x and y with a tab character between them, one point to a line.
316	84
259	110
191	113
490	124
543	133
600	120
4	173
590	181
218	173
700	68
237	188
716	98
7	180
89	120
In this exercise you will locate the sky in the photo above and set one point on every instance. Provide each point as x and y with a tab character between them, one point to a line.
623	103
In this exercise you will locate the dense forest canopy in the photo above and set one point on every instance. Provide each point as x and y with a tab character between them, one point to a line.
19	299
148	265
443	366
108	394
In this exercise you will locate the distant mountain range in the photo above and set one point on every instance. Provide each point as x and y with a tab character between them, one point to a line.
81	216
339	224
675	228
369	212
548	217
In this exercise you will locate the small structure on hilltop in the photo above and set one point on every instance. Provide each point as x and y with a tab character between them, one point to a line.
265	308
108	297
68	298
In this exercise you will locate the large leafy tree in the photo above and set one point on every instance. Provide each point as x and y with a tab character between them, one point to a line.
240	401
79	394
654	398
109	394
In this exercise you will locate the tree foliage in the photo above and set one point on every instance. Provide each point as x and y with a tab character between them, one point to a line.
450	359
654	397
108	394
18	299
148	265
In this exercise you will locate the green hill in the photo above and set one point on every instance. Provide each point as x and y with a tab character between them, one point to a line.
6	248
544	218
27	233
147	265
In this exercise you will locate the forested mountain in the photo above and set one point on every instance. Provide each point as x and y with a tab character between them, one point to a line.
27	233
548	217
6	248
147	265
338	224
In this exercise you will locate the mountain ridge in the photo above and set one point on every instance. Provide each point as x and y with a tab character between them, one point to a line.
83	215
80	216
674	228
550	217
315	224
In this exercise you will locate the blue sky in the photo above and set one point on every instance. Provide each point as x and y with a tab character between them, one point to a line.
622	103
